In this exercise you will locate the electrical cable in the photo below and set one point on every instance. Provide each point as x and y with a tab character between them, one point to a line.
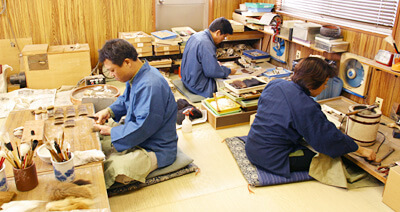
83	79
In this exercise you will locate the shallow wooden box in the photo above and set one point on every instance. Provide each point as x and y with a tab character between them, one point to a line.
48	67
220	122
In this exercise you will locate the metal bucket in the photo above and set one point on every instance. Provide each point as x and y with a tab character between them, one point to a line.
363	126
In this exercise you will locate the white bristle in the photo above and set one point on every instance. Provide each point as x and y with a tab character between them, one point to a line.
24	149
389	39
3	154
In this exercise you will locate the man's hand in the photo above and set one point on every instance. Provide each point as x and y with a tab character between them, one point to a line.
104	130
233	71
102	116
367	153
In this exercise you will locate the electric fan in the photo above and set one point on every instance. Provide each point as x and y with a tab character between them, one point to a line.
355	74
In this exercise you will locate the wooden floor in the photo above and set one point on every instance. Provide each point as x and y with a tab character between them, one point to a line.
220	185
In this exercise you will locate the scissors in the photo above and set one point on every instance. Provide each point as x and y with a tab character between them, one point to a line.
385	169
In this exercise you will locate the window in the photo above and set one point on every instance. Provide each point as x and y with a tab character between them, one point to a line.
376	16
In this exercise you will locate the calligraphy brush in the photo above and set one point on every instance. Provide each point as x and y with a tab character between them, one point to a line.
391	41
24	151
4	155
34	145
13	152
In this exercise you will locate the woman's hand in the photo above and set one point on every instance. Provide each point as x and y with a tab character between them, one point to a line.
367	153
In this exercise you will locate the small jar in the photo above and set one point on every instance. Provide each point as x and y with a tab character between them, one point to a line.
45	115
38	114
50	111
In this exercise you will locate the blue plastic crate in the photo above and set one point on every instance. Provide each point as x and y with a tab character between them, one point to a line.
269	73
255	54
259	5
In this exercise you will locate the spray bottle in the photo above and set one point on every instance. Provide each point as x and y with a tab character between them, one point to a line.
186	123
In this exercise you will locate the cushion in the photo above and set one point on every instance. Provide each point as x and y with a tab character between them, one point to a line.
254	175
182	165
191	96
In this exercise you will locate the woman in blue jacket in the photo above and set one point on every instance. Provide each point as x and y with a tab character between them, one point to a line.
287	118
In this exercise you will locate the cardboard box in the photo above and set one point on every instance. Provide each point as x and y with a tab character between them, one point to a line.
146	54
144	49
392	189
48	67
141	45
236	26
166	48
220	122
135	37
167	53
306	31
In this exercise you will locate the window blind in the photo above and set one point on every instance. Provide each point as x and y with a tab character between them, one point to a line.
372	15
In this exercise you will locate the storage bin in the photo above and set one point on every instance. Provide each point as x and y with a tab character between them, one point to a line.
269	73
306	31
337	46
256	54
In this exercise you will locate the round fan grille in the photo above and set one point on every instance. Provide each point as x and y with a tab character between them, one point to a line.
354	73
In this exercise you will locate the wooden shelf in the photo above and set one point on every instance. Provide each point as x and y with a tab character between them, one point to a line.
246	35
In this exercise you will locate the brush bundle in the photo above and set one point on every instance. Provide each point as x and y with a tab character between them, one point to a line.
58	148
20	156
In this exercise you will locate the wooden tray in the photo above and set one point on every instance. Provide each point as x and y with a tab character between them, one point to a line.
79	93
245	90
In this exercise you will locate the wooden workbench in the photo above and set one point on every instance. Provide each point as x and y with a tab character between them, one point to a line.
80	138
342	104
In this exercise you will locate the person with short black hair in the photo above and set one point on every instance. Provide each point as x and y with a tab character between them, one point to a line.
288	118
199	61
147	139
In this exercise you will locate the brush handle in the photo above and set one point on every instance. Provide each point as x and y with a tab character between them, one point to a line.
395	47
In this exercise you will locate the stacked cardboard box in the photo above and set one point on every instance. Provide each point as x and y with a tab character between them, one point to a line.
184	33
165	43
140	40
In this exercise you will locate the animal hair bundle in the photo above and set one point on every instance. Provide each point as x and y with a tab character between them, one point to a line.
70	203
62	190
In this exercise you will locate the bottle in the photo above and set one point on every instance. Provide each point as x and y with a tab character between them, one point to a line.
186	123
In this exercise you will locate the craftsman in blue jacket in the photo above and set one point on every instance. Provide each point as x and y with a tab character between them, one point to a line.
149	107
287	118
199	61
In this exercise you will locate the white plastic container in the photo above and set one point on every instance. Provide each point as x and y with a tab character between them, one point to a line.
363	126
186	124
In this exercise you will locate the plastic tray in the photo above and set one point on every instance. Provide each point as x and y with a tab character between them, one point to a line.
269	73
235	109
244	90
259	5
262	10
164	34
260	54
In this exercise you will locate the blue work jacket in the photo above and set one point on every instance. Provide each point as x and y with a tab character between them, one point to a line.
286	114
200	65
150	110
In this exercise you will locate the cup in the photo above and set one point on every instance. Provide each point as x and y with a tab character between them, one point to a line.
64	171
26	179
3	178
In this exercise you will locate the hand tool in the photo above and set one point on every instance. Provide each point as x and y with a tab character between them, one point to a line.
357	111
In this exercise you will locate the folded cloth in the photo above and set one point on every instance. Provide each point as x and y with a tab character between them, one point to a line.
88	156
332	171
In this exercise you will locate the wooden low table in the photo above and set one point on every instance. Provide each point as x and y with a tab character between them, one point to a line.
342	104
81	137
